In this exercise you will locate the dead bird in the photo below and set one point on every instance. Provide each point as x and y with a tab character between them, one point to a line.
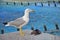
36	32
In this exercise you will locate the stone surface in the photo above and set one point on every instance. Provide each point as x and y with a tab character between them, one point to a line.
28	36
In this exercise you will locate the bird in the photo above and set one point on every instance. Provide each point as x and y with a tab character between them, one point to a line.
20	22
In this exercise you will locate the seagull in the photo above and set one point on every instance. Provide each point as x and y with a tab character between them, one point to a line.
20	22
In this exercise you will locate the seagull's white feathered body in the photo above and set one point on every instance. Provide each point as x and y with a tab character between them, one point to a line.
19	22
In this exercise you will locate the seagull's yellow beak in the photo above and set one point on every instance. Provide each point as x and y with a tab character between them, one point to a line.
33	10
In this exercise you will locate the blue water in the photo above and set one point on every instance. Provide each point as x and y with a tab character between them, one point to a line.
42	16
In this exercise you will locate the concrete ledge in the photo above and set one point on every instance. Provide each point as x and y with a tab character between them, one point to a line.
28	36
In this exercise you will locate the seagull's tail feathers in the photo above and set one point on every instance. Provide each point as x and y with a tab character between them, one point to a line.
6	23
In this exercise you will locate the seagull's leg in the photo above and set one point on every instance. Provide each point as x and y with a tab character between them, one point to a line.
21	32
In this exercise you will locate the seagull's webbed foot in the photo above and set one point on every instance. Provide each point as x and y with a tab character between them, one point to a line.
21	32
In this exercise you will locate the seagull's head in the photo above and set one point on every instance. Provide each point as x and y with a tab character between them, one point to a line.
29	10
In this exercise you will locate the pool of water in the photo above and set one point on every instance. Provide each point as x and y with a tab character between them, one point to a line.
46	15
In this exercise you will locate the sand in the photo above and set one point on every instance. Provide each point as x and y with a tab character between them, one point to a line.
28	36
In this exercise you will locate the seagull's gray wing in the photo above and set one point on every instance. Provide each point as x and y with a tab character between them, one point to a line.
17	22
